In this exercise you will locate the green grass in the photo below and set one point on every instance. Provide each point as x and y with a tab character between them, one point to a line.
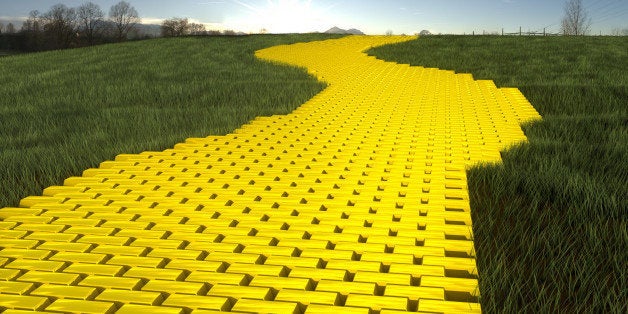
551	223
65	111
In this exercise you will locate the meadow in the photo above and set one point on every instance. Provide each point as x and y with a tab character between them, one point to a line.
62	112
551	223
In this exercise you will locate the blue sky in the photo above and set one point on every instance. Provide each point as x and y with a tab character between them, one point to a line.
370	16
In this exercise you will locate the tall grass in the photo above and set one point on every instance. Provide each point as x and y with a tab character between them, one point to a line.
64	111
550	223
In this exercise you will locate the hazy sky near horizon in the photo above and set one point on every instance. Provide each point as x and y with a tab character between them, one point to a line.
370	16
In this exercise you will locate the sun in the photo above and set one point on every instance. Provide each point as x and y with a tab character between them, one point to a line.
286	16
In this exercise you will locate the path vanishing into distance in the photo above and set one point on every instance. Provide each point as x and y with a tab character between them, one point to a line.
354	203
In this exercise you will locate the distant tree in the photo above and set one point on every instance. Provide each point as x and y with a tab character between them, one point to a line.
32	23
60	26
10	29
91	19
214	33
125	18
32	29
229	32
197	29
389	32
175	27
1	28
624	32
576	20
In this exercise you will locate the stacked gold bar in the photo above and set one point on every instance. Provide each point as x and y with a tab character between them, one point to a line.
355	203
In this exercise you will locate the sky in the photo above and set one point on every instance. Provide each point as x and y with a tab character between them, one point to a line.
369	16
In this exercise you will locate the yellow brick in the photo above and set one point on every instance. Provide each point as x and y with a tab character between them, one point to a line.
181	255
325	309
135	297
377	302
281	282
415	293
155	273
346	288
23	302
213	247
13	287
452	263
152	262
241	292
388	258
216	278
303	244
22	312
23	253
248	240
120	250
19	243
9	274
258	306
35	265
81	306
254	269
69	292
90	258
29	219
140	233
317	273
111	282
452	284
12	234
233	257
292	262
95	269
269	251
65	247
105	240
417	270
50	277
354	266
181	287
382	279
198	302
158	243
185	264
89	228
137	308
16	211
307	297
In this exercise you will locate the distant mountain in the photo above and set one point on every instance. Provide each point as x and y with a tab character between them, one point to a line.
152	30
336	30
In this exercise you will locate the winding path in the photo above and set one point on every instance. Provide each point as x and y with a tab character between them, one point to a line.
355	203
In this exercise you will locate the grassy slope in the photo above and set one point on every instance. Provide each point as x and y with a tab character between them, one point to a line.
64	111
551	223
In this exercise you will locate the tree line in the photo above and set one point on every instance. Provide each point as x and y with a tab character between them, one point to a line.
64	27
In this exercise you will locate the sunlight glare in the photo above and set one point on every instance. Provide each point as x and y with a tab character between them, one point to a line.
288	16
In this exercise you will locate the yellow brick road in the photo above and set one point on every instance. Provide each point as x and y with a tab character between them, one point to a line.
354	203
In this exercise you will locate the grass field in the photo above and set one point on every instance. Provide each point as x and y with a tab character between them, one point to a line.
65	111
551	223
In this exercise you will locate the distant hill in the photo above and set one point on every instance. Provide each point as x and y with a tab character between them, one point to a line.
337	30
152	30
